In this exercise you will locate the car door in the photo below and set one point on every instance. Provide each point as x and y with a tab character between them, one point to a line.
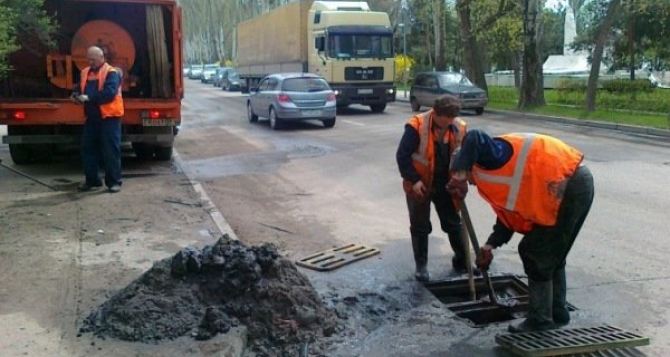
271	93
417	91
257	99
432	91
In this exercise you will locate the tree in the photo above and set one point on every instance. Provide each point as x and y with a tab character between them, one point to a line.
532	86
597	56
21	21
438	31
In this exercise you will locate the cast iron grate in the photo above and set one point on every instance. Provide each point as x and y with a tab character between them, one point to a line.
334	258
510	290
569	341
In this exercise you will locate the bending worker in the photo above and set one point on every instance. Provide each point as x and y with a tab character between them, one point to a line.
537	186
423	158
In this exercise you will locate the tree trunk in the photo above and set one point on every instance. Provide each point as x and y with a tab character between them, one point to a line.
597	56
438	31
516	66
532	86
472	61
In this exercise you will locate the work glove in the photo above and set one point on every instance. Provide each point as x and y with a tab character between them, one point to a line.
484	258
458	188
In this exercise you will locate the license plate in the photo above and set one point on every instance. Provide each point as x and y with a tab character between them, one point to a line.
311	113
365	91
158	122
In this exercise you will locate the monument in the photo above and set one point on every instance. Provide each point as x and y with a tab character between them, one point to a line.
571	62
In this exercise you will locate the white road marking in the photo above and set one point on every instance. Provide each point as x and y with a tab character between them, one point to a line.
352	122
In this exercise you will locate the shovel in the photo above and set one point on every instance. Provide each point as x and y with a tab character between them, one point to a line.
475	245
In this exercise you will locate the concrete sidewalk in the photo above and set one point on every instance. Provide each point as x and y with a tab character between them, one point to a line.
654	133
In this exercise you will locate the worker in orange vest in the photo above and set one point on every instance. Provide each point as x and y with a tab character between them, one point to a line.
423	158
100	93
538	186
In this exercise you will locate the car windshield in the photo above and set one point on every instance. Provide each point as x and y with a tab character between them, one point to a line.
360	46
451	79
211	66
305	85
234	76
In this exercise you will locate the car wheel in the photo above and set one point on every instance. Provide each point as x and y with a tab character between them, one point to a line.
378	108
275	122
479	111
329	123
250	114
415	105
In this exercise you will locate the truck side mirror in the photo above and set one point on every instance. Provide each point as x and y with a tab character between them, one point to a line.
320	43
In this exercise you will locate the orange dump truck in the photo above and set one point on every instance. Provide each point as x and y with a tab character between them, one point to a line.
140	37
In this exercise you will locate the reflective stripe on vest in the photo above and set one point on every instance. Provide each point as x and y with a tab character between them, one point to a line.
514	181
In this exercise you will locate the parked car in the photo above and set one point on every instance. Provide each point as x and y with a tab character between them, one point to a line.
220	72
195	72
231	81
208	72
186	70
287	97
428	86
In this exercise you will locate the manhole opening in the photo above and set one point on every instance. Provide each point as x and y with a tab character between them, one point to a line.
510	291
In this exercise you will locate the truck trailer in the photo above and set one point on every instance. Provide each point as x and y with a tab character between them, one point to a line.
344	42
142	38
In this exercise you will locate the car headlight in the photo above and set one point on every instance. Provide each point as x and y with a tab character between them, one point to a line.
390	91
337	92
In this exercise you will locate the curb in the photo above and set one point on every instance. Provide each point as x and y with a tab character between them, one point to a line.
208	205
655	133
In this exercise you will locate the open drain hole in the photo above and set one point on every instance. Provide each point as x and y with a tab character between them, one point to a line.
510	291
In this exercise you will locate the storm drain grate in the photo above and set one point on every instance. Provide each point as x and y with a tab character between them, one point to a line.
334	258
570	341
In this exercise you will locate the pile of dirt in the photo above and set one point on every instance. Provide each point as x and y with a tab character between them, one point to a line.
205	292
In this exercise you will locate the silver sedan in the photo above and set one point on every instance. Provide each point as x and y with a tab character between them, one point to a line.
287	97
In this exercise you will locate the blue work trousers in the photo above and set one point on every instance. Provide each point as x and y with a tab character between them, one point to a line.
101	143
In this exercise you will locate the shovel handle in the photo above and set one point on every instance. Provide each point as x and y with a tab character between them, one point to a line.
475	244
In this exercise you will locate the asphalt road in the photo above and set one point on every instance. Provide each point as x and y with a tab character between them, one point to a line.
308	188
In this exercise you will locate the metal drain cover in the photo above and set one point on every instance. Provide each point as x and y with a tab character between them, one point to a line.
334	258
569	341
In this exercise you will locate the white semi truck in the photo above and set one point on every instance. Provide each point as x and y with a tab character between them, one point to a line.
345	42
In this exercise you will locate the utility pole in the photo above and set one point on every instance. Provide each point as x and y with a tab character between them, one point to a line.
403	9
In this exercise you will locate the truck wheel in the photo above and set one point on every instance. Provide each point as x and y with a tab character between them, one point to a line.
163	153
329	123
415	105
378	108
143	151
21	154
479	111
275	122
250	114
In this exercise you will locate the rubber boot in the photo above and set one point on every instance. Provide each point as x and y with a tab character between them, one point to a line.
540	294
560	307
420	247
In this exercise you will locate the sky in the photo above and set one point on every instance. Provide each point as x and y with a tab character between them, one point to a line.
554	3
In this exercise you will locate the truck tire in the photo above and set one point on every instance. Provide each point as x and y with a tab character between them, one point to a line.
143	151
329	123
378	108
21	154
163	153
275	122
415	104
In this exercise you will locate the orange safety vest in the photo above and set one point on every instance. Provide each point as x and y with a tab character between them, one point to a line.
423	158
529	188
113	108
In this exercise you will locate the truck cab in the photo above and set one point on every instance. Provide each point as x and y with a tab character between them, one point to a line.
352	48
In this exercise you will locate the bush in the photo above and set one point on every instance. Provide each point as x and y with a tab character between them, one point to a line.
571	85
628	86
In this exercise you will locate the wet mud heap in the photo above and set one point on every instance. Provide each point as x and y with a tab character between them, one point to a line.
204	292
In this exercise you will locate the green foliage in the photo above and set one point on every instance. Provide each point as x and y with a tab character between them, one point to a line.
655	101
571	85
19	19
628	86
403	67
